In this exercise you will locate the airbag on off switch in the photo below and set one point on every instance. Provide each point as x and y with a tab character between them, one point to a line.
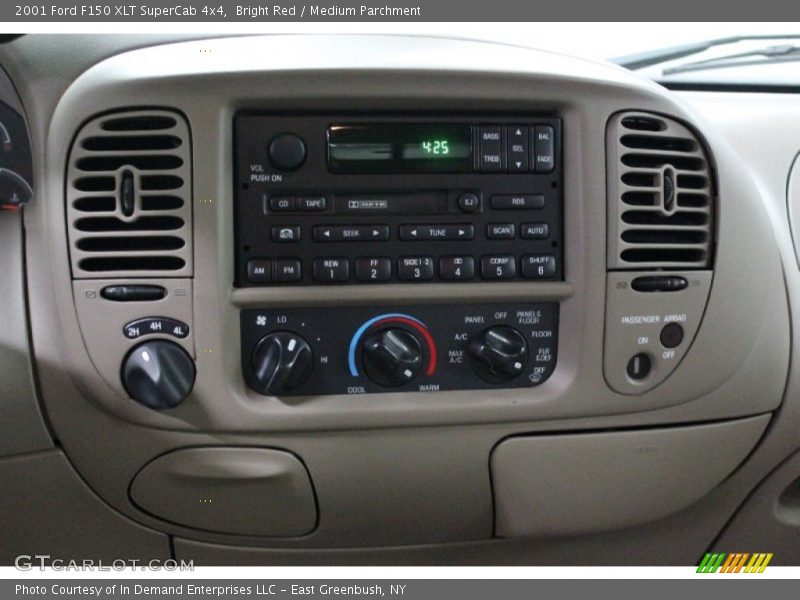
244	491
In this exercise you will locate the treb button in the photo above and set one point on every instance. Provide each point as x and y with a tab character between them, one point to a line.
491	148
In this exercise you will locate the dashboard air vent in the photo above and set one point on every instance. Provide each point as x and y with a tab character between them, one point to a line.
129	200
660	195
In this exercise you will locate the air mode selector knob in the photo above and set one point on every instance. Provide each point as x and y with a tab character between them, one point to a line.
391	356
498	354
158	374
282	361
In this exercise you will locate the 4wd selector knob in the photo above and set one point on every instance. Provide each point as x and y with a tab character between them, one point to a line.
498	354
282	361
391	356
158	374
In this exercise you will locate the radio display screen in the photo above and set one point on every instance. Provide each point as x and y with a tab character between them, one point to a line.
400	148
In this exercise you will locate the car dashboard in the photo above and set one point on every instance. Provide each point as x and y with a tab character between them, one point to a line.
353	299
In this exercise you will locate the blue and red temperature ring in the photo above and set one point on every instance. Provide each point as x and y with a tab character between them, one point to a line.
403	319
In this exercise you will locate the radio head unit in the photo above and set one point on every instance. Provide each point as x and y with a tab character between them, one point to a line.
331	199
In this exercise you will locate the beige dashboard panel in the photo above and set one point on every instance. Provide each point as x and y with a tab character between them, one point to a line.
397	468
582	482
244	491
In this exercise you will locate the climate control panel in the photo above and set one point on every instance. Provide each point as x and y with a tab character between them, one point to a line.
358	350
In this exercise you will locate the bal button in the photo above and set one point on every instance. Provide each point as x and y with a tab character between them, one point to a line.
287	152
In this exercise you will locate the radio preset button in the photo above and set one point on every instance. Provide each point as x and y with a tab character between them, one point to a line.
535	231
373	269
457	268
538	266
517	149
331	269
312	203
415	268
544	159
469	202
285	233
498	267
491	148
287	270
437	232
351	233
282	203
259	270
517	201
501	231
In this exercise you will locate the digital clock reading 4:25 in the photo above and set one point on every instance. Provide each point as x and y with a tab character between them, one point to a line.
436	147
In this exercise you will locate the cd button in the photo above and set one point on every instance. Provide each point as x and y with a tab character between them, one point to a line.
331	269
282	203
373	269
415	268
498	267
457	268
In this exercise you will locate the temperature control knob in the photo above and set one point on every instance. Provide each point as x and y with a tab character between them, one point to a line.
158	374
498	354
391	357
282	361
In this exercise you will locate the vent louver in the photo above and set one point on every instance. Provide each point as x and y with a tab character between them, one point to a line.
129	196
660	195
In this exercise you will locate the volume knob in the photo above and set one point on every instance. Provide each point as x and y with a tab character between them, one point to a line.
498	354
391	357
281	362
